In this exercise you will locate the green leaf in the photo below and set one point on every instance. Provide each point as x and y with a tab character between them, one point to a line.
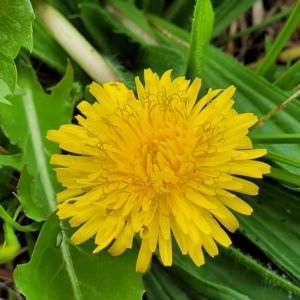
174	36
229	276
11	244
201	33
160	283
180	12
284	176
15	31
26	123
151	6
106	31
132	21
274	225
4	91
283	158
25	186
34	226
154	57
283	138
61	270
285	81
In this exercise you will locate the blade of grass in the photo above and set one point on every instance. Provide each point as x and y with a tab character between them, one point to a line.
293	21
284	80
286	138
274	228
285	176
283	158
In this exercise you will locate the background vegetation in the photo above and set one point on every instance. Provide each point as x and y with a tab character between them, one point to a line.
250	44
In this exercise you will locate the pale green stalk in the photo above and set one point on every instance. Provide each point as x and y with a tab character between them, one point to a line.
74	43
279	107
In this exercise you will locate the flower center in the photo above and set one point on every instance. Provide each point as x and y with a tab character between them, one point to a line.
153	143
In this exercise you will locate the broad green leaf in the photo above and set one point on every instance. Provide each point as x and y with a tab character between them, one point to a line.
201	33
25	186
26	122
274	225
4	91
15	31
61	270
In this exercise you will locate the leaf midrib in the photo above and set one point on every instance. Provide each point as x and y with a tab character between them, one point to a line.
37	144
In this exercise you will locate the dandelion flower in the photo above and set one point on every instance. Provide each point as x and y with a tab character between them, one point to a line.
158	164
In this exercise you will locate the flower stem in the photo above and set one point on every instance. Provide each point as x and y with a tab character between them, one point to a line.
74	43
279	107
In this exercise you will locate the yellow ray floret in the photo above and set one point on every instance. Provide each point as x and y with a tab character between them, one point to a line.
156	164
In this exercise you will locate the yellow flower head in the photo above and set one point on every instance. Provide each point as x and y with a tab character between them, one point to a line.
157	164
